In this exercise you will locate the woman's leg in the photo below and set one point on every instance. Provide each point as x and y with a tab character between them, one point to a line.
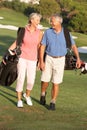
31	72
21	77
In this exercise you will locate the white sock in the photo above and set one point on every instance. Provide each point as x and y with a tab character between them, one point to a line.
43	94
53	101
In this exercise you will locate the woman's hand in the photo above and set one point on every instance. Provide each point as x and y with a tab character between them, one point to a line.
4	62
42	66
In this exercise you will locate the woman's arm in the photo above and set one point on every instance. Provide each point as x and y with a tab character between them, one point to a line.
13	46
40	38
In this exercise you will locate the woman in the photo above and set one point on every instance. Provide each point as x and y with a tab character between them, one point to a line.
28	58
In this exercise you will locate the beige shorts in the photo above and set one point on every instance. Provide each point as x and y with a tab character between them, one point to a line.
54	69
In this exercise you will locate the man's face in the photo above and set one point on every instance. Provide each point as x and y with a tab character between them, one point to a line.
54	22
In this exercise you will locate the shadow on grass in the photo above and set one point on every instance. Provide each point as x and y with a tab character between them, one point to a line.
10	88
6	94
37	101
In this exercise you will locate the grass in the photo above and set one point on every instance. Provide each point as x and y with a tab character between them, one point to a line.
7	37
12	17
81	39
71	105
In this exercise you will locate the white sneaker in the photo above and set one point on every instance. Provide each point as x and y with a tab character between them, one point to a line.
28	100
20	103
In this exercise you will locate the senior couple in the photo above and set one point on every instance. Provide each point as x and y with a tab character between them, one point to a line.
35	44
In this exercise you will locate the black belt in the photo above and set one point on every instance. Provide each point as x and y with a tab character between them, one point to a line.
56	56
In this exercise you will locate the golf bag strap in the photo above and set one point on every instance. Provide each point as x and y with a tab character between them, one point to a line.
67	38
20	35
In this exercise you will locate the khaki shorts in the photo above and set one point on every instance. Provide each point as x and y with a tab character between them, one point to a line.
54	69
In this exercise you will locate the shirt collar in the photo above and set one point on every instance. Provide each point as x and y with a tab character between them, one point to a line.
27	28
55	31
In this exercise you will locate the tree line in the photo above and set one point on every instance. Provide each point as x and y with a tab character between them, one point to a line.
73	11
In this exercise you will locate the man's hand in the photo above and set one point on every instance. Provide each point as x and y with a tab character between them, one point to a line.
78	63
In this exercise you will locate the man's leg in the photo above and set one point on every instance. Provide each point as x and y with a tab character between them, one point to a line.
54	94
44	86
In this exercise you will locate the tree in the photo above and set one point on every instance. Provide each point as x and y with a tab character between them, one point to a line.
65	4
78	22
48	7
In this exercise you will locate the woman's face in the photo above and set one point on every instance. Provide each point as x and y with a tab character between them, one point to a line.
35	21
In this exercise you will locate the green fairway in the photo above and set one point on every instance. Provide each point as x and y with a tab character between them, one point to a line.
12	17
71	105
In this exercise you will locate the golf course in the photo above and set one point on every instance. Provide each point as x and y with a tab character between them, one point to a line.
71	104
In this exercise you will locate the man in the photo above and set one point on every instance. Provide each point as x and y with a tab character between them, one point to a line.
53	45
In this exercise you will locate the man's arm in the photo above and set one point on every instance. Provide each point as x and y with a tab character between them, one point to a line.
75	50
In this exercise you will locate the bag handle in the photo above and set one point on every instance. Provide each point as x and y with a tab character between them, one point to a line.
20	35
67	38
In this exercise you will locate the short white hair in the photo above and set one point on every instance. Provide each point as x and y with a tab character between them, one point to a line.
57	16
33	15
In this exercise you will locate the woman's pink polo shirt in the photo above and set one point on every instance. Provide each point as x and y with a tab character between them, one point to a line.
30	44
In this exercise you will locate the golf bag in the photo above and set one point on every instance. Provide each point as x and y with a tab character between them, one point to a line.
70	61
70	58
8	71
83	68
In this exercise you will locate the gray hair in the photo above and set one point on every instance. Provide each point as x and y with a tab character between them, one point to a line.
34	15
57	16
